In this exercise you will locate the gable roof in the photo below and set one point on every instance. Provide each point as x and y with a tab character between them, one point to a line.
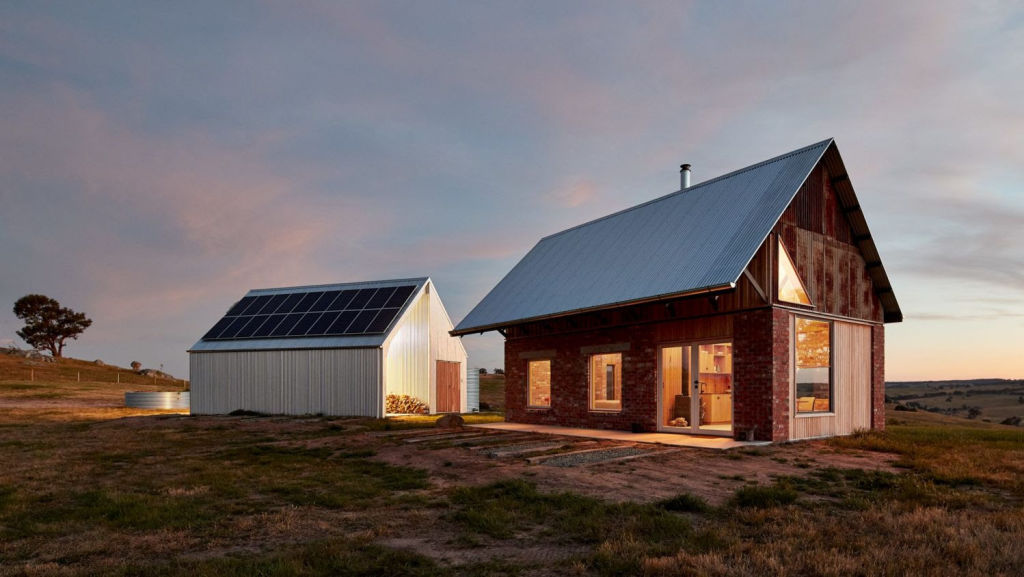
318	342
699	239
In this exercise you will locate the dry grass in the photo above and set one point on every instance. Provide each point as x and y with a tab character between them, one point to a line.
103	490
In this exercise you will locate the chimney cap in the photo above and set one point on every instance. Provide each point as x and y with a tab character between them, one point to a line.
683	167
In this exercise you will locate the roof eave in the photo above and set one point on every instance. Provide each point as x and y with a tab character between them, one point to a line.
504	324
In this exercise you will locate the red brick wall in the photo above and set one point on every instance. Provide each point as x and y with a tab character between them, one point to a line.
570	385
760	394
761	371
878	377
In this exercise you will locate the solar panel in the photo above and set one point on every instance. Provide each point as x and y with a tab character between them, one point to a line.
343	299
361	298
341	312
362	321
240	306
382	320
304	324
380	298
286	325
306	302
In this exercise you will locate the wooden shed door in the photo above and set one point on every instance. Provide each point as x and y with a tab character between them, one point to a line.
448	394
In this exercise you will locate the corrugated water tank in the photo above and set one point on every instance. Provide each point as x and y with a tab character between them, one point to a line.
473	390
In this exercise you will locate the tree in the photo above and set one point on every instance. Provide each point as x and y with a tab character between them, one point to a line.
499	371
47	324
483	371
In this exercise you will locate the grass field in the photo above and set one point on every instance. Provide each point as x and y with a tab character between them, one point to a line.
104	490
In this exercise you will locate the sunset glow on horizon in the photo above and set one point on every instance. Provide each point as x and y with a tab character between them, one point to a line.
159	162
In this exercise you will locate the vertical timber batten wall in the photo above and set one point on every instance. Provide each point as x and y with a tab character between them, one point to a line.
304	381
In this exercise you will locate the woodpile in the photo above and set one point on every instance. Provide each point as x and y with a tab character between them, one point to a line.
405	404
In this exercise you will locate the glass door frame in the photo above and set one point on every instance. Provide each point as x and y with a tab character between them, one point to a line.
694	428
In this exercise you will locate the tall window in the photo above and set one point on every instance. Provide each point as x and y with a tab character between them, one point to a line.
539	384
791	289
606	382
813	366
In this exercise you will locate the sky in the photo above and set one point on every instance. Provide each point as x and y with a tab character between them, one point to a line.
158	160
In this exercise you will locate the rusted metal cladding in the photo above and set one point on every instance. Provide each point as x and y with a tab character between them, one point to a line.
324	381
817	235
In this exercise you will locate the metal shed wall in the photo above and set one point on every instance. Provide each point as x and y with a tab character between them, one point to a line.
443	346
407	353
303	381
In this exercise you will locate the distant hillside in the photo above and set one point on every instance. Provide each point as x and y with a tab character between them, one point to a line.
16	368
960	383
989	400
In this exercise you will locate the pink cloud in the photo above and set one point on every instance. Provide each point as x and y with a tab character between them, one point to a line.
221	221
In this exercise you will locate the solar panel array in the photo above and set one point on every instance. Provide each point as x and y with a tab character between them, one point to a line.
313	313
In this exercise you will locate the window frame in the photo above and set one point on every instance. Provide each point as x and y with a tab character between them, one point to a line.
782	250
831	369
529	374
590	382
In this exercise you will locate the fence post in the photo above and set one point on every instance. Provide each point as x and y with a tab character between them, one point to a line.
79	376
32	375
119	378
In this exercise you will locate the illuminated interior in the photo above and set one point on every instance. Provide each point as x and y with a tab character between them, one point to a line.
791	289
606	382
539	384
701	403
813	366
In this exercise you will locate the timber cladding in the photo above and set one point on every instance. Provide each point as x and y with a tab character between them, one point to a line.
851	386
449	394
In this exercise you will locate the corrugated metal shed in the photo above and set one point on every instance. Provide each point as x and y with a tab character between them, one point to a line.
697	239
332	373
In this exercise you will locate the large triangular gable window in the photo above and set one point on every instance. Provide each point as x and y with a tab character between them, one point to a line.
791	288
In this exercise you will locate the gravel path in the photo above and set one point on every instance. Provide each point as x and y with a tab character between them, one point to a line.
575	460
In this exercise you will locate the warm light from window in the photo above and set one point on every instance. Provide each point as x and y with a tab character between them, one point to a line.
790	288
813	366
539	384
606	382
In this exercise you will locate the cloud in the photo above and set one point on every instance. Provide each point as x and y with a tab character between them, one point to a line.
574	194
147	228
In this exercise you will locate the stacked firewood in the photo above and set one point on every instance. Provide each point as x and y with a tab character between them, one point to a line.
405	404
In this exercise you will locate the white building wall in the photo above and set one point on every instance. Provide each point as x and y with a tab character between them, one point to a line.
327	381
444	347
407	353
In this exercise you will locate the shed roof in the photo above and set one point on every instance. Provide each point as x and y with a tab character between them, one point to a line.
699	239
317	342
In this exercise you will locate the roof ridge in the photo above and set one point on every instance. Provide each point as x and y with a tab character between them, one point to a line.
695	186
418	279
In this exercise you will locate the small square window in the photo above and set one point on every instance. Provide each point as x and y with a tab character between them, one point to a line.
606	382
539	384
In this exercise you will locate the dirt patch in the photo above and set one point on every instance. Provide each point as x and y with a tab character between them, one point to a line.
713	475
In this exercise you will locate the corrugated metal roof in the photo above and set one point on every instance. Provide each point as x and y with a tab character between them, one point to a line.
699	238
319	342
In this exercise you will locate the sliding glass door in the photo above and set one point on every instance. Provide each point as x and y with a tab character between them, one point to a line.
695	392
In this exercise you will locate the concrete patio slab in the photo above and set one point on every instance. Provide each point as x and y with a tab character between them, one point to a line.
673	439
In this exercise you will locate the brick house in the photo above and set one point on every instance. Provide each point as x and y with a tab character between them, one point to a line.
750	305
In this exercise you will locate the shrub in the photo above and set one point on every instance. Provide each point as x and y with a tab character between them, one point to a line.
764	496
684	502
